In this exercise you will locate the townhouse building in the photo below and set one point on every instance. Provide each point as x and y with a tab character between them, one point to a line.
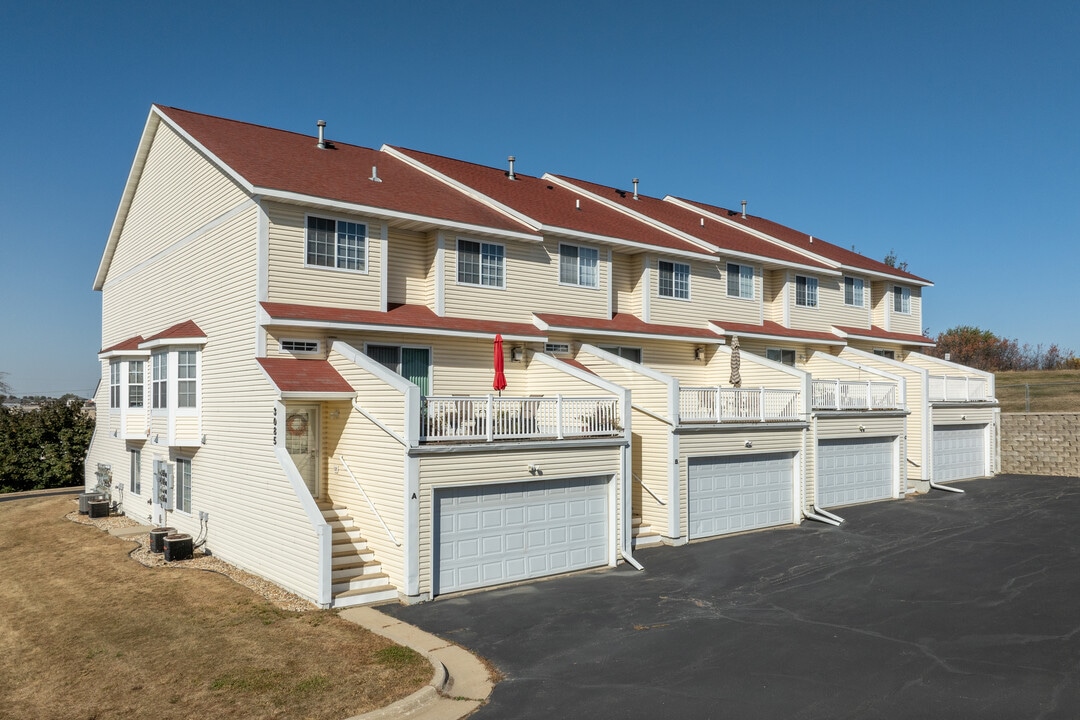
369	374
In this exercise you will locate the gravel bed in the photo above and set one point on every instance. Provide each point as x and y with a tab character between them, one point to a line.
201	561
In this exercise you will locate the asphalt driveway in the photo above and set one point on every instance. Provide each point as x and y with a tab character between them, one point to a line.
941	606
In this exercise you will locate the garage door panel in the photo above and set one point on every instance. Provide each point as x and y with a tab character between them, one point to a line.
730	494
855	470
959	452
526	530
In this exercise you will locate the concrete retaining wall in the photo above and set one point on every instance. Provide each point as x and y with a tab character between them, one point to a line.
1040	443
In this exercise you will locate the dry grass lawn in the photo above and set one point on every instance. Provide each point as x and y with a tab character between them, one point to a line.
87	633
1050	390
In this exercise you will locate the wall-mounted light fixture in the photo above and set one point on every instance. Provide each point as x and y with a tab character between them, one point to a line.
535	470
699	353
862	428
517	354
749	444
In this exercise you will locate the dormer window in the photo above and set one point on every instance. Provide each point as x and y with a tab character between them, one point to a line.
901	300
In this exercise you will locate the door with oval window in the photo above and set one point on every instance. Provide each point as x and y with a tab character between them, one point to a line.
302	442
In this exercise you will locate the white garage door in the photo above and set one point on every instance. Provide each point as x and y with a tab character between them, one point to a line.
501	533
729	494
855	470
959	452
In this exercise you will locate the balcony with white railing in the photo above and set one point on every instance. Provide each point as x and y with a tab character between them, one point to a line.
855	395
721	404
490	418
959	388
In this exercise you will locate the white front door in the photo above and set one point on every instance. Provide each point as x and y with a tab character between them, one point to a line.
302	442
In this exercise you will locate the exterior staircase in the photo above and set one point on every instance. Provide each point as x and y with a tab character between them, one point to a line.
357	577
642	535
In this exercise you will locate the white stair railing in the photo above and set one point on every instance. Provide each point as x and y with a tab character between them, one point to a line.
371	505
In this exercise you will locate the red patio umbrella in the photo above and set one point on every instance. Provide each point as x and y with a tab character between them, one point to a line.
500	376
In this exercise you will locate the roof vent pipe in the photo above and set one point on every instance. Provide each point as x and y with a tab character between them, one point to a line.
322	142
511	159
744	209
375	174
635	181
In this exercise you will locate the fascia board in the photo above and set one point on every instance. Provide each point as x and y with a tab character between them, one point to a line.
874	338
123	354
384	213
302	395
852	269
644	247
406	329
779	338
235	176
171	342
462	188
635	335
640	217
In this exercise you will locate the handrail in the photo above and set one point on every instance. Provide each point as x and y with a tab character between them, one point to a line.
370	504
647	489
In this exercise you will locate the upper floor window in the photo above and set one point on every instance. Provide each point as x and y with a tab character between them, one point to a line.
780	355
805	291
632	354
187	379
135	383
114	384
740	281
853	291
578	266
336	244
674	280
891	354
159	380
901	299
480	263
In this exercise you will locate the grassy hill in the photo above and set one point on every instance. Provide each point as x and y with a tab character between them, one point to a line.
1048	390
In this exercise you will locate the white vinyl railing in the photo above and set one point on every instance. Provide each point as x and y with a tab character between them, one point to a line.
717	404
958	388
487	418
854	395
371	505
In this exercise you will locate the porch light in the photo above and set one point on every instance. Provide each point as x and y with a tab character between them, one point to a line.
699	353
749	444
517	354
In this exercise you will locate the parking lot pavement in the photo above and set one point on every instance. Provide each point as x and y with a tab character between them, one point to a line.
943	606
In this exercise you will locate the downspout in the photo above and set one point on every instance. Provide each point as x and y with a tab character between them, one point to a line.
813	512
930	441
626	490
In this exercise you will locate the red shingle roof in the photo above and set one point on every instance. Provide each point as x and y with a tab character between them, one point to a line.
773	329
291	162
403	318
551	204
802	241
876	333
129	344
186	329
304	376
626	324
686	221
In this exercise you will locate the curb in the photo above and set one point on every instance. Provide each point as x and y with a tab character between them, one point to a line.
460	682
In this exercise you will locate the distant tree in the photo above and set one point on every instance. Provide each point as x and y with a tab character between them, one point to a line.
43	448
891	261
984	350
5	389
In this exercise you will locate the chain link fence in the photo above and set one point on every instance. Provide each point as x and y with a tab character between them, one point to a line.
1039	397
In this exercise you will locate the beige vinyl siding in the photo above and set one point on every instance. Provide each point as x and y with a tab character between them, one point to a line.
551	296
502	465
651	458
880	297
822	366
731	442
645	392
966	415
830	309
677	359
753	371
275	336
866	425
907	323
290	281
178	193
156	281
409	266
773	282
708	297
626	276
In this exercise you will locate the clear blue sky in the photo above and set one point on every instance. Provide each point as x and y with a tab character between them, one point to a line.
948	131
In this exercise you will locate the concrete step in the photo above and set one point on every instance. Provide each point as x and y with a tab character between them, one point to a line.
360	582
366	596
342	573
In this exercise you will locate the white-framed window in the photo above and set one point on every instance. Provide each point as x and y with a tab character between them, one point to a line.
301	347
674	280
135	383
114	384
187	378
182	485
853	291
901	299
805	291
481	263
136	471
557	348
891	354
159	380
632	354
579	265
740	281
780	355
339	244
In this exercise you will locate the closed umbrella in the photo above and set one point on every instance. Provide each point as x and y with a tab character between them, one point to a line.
500	376
736	378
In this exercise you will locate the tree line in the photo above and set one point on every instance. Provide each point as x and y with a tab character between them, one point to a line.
983	350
